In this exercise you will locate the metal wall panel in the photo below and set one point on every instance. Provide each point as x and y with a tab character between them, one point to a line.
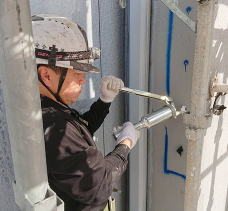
112	40
7	201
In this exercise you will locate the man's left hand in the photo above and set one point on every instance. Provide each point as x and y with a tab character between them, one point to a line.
109	88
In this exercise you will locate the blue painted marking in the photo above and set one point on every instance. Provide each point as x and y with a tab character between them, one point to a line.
166	170
188	10
186	62
168	58
168	53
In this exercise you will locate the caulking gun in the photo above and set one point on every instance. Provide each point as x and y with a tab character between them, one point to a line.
166	112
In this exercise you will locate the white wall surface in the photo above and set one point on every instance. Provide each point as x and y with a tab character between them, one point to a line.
213	194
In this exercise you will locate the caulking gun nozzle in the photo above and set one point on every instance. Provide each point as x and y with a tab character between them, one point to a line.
183	110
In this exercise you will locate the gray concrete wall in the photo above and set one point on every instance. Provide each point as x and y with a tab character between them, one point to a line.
173	45
206	144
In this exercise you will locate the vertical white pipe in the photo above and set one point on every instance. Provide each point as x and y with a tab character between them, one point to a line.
22	101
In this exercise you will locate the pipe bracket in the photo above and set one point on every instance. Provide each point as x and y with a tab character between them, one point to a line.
173	6
49	203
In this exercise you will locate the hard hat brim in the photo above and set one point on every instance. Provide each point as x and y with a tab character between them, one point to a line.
85	67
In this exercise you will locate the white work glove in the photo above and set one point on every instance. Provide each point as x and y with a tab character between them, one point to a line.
109	88
128	131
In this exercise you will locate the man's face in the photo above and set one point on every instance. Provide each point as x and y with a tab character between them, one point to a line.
72	86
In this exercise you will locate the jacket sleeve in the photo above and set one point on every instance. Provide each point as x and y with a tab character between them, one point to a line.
80	170
92	178
96	115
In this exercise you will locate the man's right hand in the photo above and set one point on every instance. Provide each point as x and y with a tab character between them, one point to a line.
128	132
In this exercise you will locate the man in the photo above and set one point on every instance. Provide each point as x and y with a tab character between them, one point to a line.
77	171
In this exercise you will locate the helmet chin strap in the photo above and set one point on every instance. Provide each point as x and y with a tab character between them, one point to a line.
61	80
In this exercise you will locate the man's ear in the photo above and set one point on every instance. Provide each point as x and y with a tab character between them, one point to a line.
44	73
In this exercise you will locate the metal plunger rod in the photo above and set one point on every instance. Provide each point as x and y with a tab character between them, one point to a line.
146	94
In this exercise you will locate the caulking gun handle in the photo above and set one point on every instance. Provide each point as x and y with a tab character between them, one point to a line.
137	126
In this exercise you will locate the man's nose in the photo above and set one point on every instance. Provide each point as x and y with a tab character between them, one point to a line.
82	79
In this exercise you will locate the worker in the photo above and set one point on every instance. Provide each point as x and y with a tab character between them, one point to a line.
77	171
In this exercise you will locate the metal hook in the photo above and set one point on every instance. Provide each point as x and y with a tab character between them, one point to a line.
123	3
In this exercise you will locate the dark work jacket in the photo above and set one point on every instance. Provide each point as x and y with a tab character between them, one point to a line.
77	171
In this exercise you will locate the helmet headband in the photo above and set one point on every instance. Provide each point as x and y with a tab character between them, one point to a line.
92	53
71	58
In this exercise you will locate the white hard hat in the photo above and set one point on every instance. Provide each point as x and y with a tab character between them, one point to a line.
61	42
